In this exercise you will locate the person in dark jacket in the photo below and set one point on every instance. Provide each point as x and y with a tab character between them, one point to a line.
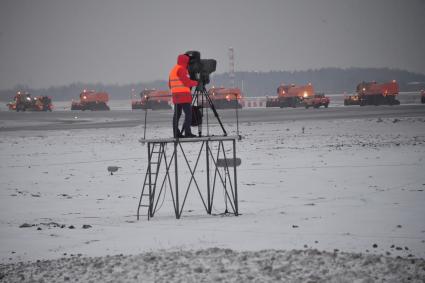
180	85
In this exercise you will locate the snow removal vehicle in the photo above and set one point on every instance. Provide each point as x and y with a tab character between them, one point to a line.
351	100
317	100
24	102
423	96
91	100
373	93
290	96
153	99
226	98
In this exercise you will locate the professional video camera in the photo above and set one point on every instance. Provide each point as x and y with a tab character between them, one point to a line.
200	69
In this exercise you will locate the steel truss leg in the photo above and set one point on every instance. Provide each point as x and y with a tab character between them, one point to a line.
212	163
232	197
192	178
207	148
176	207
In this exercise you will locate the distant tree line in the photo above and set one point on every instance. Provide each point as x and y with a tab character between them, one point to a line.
328	80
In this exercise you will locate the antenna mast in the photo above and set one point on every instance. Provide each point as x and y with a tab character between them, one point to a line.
232	66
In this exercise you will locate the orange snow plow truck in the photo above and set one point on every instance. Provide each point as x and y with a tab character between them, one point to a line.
153	99
317	100
23	102
372	93
290	96
225	98
91	100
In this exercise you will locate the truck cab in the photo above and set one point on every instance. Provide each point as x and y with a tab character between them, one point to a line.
317	100
153	99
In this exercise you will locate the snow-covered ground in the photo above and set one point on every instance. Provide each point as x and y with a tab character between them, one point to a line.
350	186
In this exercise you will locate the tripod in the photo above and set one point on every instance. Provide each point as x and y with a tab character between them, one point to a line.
199	104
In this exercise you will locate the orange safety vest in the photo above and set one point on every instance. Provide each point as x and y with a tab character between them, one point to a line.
176	84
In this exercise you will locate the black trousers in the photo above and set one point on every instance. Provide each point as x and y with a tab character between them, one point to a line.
187	109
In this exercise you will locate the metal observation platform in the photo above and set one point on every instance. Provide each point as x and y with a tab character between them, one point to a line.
175	165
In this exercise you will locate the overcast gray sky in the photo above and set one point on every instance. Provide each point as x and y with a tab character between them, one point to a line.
56	42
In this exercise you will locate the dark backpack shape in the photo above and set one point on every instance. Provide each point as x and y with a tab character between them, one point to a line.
196	115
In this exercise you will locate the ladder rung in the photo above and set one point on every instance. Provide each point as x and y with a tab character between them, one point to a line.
145	194
144	205
156	151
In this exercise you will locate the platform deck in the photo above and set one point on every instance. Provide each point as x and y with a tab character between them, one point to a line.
194	139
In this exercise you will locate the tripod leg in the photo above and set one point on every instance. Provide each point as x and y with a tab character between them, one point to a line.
195	100
202	114
215	112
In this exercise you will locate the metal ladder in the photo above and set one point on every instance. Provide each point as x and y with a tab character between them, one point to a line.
147	197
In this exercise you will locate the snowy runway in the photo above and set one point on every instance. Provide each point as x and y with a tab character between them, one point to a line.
344	185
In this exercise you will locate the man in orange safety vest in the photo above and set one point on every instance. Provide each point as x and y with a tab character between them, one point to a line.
180	85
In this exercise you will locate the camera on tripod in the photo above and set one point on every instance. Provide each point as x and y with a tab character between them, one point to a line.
200	69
